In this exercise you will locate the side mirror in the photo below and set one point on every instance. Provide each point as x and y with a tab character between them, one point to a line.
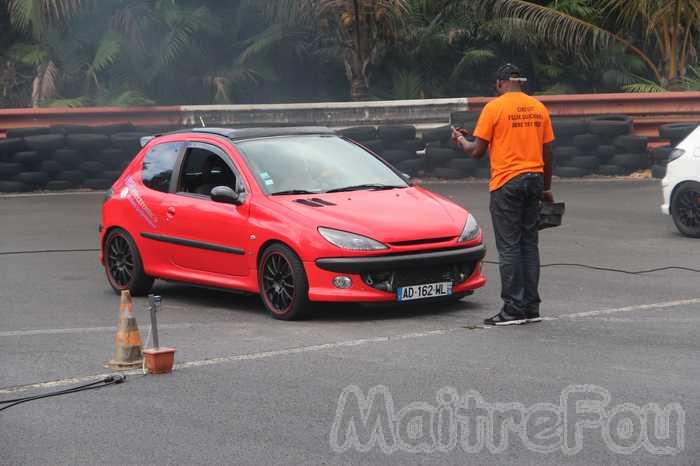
225	195
411	180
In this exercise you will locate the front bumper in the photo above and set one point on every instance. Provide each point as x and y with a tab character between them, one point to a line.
463	265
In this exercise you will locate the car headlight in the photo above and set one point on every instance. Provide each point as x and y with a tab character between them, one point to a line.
675	154
471	229
346	240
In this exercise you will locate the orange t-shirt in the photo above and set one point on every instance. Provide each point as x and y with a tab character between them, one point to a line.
516	127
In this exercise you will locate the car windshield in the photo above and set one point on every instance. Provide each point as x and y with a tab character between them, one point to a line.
315	164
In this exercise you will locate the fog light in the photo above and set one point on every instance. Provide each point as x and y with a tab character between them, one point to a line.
342	282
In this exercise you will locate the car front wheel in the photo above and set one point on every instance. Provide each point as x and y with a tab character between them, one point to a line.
283	284
685	209
123	264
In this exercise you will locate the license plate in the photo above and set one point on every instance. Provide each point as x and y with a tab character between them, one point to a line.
429	290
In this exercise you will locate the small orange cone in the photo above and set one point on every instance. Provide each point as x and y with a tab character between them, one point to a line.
128	341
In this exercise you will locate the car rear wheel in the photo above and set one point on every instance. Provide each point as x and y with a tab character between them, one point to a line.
123	264
685	209
283	284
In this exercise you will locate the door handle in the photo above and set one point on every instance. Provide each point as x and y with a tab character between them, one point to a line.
171	210
169	213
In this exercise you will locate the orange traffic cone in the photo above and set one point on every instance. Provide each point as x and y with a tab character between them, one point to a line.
128	340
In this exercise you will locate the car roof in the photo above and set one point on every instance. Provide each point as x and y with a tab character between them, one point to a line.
239	134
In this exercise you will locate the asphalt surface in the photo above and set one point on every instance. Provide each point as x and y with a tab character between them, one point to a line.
252	390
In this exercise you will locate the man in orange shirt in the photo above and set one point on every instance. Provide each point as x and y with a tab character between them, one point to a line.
518	131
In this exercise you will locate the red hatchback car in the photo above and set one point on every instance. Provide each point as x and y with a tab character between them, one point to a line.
297	215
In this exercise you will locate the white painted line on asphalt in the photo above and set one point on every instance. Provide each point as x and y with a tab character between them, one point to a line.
63	331
341	344
638	307
54	194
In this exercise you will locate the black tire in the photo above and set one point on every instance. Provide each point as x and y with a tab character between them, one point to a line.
130	142
360	133
586	162
11	145
685	209
375	145
45	142
442	133
660	154
13	187
411	166
676	132
68	158
437	154
97	184
74	177
391	133
411	145
631	143
87	142
658	171
586	142
92	168
9	170
464	119
116	128
605	152
447	173
565	153
50	166
566	129
571	172
283	299
123	264
612	170
28	158
608	127
24	132
396	156
465	165
112	175
483	173
33	179
631	161
70	129
57	185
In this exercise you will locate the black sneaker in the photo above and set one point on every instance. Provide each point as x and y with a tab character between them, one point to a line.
503	318
532	315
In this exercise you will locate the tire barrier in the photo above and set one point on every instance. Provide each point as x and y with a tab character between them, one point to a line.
77	156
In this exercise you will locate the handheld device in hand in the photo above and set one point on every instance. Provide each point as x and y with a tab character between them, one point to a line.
551	214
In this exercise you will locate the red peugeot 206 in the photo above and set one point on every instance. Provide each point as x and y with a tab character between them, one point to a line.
297	215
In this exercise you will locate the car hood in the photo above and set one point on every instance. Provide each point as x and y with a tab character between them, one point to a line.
390	216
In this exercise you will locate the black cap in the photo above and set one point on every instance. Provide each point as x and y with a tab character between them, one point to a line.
509	72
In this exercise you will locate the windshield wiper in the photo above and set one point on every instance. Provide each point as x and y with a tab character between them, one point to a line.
374	187
292	192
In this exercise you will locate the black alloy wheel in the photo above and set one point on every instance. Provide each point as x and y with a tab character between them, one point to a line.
283	283
123	264
685	209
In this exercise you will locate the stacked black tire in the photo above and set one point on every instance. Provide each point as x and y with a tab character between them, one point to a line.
397	144
445	159
601	145
66	156
674	133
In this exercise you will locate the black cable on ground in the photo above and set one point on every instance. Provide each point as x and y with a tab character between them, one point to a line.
107	381
610	269
45	251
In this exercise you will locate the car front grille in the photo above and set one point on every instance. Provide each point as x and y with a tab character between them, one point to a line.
390	280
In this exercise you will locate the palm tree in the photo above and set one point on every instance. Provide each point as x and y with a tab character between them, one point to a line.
661	33
363	28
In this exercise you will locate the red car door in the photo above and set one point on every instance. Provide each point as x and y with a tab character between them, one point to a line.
203	235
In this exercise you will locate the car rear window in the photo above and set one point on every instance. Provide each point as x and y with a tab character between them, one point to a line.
159	164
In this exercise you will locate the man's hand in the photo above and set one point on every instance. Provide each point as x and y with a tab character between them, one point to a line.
548	196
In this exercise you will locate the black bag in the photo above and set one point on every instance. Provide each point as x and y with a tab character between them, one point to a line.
550	214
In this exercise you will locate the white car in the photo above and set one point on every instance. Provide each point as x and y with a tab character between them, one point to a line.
681	185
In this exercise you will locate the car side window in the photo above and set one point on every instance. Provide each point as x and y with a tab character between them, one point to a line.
203	170
159	164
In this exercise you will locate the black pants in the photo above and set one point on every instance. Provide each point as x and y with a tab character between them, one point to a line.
515	214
